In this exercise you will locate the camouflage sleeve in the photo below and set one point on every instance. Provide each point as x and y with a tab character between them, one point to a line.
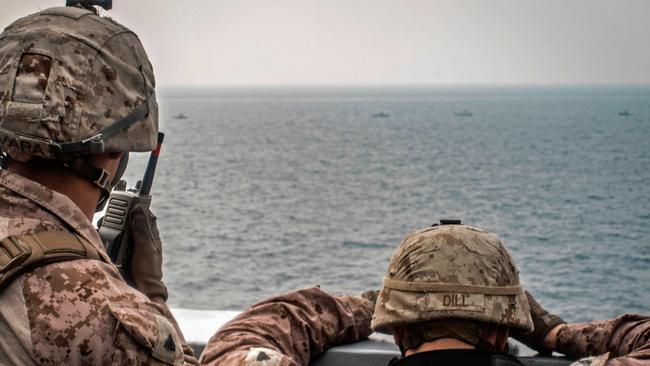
289	329
621	341
188	352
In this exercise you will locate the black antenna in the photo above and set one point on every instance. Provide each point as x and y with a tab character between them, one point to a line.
147	181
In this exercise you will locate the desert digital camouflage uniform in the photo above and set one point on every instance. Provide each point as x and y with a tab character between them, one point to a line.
456	255
289	329
623	341
65	75
77	312
274	332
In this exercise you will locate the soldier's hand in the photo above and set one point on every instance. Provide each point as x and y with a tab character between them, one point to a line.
370	295
146	264
542	338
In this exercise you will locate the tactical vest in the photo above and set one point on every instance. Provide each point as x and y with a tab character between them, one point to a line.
22	253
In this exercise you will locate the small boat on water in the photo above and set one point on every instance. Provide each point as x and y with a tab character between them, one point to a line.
380	115
180	116
464	113
625	113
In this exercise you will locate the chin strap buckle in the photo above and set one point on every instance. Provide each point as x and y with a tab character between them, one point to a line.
102	180
12	254
95	144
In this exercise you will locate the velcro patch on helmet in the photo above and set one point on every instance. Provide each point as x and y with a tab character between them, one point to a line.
23	145
21	111
32	78
454	301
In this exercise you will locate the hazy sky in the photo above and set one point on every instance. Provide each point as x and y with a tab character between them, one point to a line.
224	42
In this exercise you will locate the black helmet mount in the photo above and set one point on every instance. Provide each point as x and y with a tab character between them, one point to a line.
447	222
106	4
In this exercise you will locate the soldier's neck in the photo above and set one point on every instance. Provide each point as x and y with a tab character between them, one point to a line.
57	178
440	344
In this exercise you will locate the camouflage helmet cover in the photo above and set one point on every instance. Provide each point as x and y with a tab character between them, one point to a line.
451	272
65	75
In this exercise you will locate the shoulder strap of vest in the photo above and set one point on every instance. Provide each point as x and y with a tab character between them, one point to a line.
22	253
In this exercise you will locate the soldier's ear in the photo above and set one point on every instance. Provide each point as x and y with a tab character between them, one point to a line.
503	333
398	335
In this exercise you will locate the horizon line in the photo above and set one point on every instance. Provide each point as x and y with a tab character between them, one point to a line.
401	85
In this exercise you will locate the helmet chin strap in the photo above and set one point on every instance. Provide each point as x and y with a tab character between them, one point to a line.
97	176
105	194
70	153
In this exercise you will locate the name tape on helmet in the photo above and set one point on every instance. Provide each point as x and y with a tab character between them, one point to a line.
10	140
452	301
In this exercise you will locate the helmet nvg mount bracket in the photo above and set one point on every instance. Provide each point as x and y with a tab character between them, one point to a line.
106	4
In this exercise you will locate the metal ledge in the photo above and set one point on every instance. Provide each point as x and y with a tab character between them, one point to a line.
379	350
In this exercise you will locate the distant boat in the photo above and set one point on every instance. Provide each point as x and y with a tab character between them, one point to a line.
464	113
180	116
625	113
380	115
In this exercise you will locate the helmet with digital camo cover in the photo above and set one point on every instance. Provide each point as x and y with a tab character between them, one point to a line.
451	271
73	83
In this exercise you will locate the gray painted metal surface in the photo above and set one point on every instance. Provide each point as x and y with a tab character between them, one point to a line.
375	351
379	352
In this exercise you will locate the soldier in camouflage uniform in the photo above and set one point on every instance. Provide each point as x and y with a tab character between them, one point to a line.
451	296
77	94
288	330
623	341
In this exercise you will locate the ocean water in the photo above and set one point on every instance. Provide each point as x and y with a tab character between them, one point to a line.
261	191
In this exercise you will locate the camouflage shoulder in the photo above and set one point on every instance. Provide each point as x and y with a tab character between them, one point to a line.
81	312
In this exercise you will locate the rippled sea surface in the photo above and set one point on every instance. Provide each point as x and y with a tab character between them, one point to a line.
260	191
